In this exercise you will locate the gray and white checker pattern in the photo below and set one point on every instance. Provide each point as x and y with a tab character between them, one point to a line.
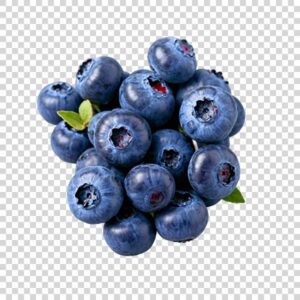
248	251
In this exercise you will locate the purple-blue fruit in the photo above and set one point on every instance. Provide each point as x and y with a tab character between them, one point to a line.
214	171
55	97
98	79
122	137
208	115
95	195
184	219
150	187
240	118
130	232
144	93
93	123
172	59
225	142
67	143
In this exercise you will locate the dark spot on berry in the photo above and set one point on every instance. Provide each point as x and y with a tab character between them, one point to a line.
156	198
84	68
226	173
205	110
181	198
60	86
121	137
88	196
170	158
157	85
185	47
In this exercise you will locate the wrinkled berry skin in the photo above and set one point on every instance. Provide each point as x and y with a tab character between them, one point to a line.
94	195
208	115
150	187
172	150
201	78
146	94
129	234
184	219
225	142
98	79
91	157
123	138
172	59
214	171
55	97
67	143
240	121
93	123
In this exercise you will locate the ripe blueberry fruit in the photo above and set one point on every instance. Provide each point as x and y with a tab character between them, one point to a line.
225	142
240	118
172	150
98	79
55	97
130	232
123	137
93	123
172	59
201	78
150	187
146	94
184	219
67	143
214	171
208	115
95	195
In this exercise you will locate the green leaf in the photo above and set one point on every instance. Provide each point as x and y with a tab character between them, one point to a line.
72	118
235	197
86	111
96	108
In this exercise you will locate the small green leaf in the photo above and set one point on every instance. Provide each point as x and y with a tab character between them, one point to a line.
235	197
96	108
86	111
72	118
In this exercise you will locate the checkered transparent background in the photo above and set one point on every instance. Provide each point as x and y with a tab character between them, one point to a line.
248	251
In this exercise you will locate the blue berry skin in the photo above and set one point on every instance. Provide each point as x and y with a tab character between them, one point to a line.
225	142
214	171
240	121
123	138
146	94
184	219
208	115
201	78
129	233
95	195
211	202
172	59
91	157
55	97
150	187
93	123
98	79
172	150
67	143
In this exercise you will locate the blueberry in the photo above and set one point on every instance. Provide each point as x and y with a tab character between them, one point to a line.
91	157
201	78
123	137
95	195
211	202
173	59
93	123
98	79
146	94
208	115
130	232
225	142
55	97
172	150
67	143
184	219
240	118
214	171
150	187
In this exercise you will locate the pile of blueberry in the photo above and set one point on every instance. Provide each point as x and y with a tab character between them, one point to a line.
151	148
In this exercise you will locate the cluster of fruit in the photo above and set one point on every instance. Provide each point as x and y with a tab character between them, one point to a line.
156	155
